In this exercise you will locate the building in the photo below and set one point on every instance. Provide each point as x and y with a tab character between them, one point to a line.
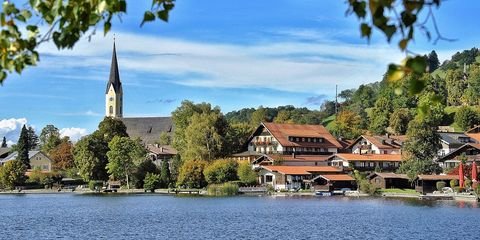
291	160
292	177
296	139
366	162
4	152
428	183
38	160
469	152
389	180
451	141
148	129
385	144
160	153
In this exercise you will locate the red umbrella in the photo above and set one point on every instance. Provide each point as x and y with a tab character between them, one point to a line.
460	175
474	171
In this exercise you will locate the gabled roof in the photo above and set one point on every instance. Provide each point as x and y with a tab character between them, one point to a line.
458	151
4	151
335	177
452	138
13	155
388	175
475	129
436	177
148	128
382	142
474	136
301	170
161	149
369	157
301	158
281	132
114	79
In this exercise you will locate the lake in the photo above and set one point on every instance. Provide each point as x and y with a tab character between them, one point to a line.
76	216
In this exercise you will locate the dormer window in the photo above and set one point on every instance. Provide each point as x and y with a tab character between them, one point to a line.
111	99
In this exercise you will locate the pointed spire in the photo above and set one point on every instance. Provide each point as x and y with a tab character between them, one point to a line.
114	74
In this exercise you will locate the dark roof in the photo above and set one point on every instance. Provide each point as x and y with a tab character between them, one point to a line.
382	141
463	149
114	74
388	175
452	138
4	152
161	149
148	128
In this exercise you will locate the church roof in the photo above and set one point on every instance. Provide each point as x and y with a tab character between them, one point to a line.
148	128
114	74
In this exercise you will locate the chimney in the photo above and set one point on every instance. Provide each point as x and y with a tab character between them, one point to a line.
387	135
161	149
156	145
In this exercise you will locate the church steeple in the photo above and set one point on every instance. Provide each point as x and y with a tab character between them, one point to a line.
114	91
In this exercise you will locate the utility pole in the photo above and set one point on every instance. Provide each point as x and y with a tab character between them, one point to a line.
336	101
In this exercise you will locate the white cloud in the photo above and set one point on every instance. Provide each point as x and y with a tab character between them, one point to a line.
11	128
288	65
73	133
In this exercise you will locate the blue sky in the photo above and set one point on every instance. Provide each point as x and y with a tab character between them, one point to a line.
233	54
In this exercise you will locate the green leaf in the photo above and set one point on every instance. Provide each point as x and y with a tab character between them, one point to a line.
416	86
418	64
106	28
395	73
366	30
389	30
148	17
163	14
408	18
3	75
403	44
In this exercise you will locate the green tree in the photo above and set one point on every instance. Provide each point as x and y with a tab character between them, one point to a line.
204	136
236	137
260	115
49	138
4	142
399	120
283	116
246	174
151	182
380	116
472	94
12	174
456	86
221	171
165	139
347	125
90	155
466	118
110	127
23	146
147	166
432	61
165	178
121	158
32	138
191	174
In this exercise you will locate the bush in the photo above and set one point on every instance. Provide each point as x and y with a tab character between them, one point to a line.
441	185
95	185
225	189
12	174
221	171
38	177
246	174
151	182
453	183
468	183
191	174
367	187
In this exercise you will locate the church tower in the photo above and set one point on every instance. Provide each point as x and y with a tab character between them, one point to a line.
114	92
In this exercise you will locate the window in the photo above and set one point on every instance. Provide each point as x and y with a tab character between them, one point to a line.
303	139
111	109
45	167
268	178
111	99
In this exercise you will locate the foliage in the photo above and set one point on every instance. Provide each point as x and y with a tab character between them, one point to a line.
236	137
95	185
151	182
245	173
23	146
347	125
164	139
12	174
90	155
380	115
39	177
66	21
122	156
260	115
441	185
224	189
62	155
453	183
467	183
432	61
191	174
110	127
399	120
165	178
175	165
466	117
366	187
147	166
221	171
49	138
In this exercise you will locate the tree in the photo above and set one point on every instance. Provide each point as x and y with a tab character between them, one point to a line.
236	137
399	120
472	94
380	116
165	177
456	86
121	158
62	155
165	139
110	127
151	182
90	155
260	115
191	174
4	142
66	22
147	166
32	138
49	138
347	125
246	174
12	174
221	171
204	136
23	146
466	118
432	61
283	116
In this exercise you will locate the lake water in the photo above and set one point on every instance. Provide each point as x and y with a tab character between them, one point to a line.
75	216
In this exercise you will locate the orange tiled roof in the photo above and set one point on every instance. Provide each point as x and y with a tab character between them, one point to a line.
302	158
382	142
370	157
338	177
301	170
475	136
282	131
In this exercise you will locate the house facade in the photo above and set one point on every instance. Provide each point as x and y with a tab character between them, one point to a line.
451	141
469	152
38	160
160	153
288	139
386	144
291	160
366	162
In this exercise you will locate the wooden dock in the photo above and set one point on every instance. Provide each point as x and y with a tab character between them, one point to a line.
252	190
184	191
